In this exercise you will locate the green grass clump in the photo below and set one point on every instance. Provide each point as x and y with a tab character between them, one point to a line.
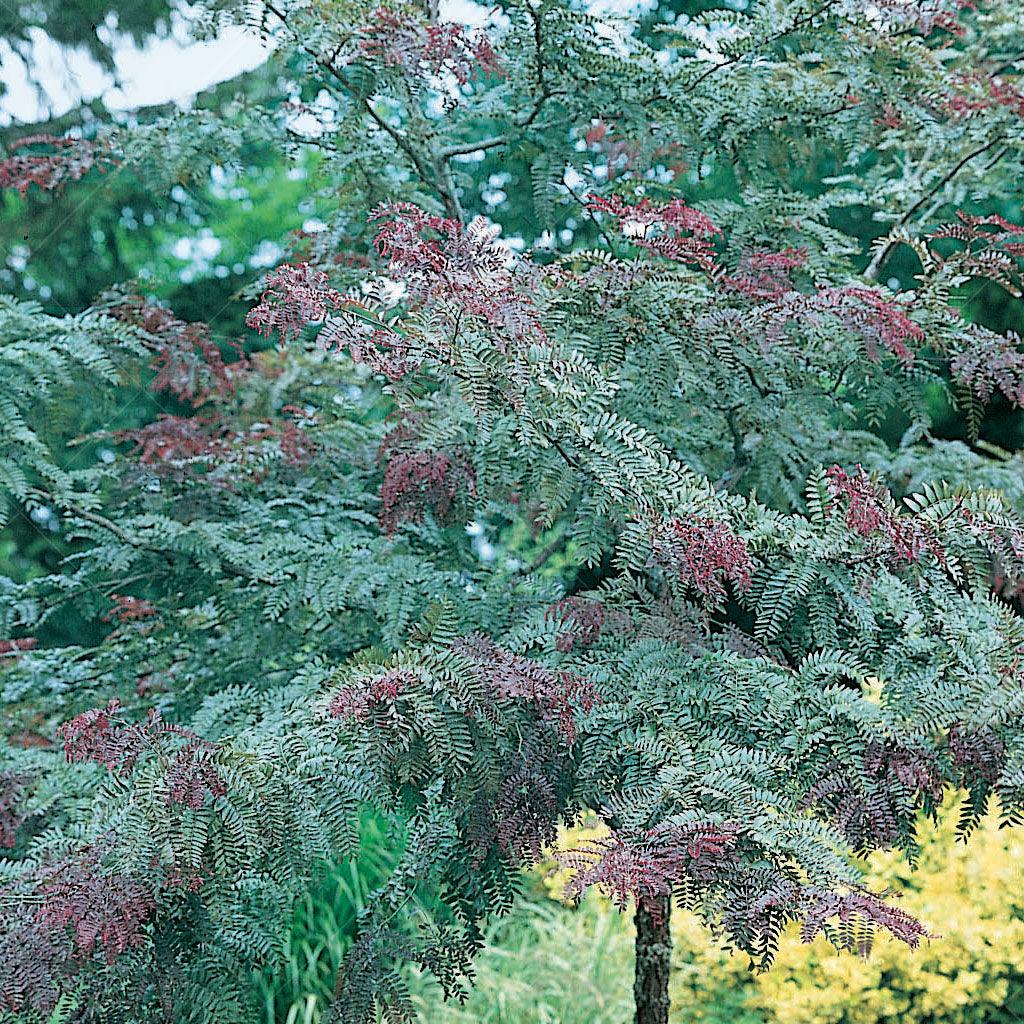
546	964
324	927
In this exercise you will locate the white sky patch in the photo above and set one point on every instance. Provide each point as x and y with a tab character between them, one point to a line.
266	255
709	37
471	14
164	70
573	179
616	34
386	290
306	124
618	8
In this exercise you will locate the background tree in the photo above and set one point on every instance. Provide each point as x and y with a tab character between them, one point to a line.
754	659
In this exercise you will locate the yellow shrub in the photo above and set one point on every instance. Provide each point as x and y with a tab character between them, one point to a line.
970	896
552	874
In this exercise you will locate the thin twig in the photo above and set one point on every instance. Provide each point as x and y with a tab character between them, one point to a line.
873	268
799	23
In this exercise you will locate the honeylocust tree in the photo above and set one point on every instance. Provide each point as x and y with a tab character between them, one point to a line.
592	467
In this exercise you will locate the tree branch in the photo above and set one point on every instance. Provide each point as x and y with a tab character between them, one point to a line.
446	191
799	23
134	541
462	148
873	268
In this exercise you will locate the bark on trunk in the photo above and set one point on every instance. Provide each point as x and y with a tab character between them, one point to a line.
653	961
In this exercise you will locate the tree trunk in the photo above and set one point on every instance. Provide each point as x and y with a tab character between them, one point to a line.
653	961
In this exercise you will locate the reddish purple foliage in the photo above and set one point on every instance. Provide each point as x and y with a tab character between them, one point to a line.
383	350
983	93
129	609
51	161
865	511
192	775
295	295
626	870
439	259
889	117
400	237
436	258
519	818
356	701
857	904
557	695
189	446
25	643
673	229
297	447
187	362
912	767
1005	94
415	481
103	736
864	311
12	794
299	294
68	909
992	249
704	553
868	513
581	620
866	806
525	814
859	808
173	441
876	318
979	755
991	362
400	41
970	228
766	276
816	906
33	962
647	870
103	909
